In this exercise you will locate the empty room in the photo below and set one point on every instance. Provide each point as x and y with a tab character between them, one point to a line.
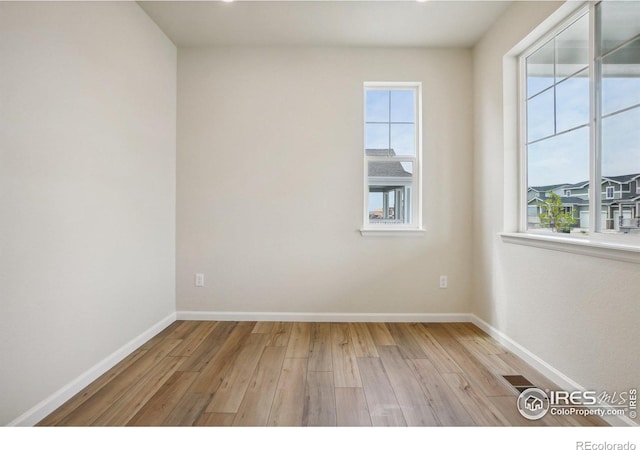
320	214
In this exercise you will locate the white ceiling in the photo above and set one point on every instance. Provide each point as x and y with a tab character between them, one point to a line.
398	23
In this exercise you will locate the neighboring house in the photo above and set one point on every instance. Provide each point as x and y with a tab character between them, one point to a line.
620	208
391	181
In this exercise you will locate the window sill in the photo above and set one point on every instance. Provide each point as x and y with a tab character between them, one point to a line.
628	252
406	232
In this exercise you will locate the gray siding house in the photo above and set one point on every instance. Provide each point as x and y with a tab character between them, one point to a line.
620	208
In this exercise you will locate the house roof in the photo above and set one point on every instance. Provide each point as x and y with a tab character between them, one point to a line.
391	169
575	201
627	198
622	178
619	179
550	187
579	185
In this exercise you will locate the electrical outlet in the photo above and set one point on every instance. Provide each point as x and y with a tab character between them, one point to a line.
199	280
444	282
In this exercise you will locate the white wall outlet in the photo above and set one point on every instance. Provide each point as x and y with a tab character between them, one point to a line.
444	282
199	280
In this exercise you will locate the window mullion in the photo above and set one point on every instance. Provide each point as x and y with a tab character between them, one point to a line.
595	197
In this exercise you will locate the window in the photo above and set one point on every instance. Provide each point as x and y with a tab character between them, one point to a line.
580	107
610	192
392	156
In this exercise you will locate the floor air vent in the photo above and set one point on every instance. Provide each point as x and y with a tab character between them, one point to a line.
519	382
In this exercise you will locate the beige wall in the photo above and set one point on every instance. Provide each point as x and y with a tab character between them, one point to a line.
87	190
577	313
270	183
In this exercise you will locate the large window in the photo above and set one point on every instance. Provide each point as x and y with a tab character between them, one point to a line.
581	109
392	156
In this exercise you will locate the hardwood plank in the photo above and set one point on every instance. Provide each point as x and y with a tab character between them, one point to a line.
446	406
483	412
280	334
320	400
462	330
263	327
413	403
211	345
405	341
485	380
97	404
288	402
381	400
434	351
188	410
77	400
213	373
215	420
195	338
256	405
363	343
380	333
490	346
491	361
231	391
320	358
345	364
183	330
122	410
299	340
161	335
156	410
351	408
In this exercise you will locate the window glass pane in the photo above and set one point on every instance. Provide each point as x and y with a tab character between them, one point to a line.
403	139
402	106
621	144
390	186
621	78
540	69
572	49
377	106
572	102
560	160
619	22
387	204
559	164
376	136
540	116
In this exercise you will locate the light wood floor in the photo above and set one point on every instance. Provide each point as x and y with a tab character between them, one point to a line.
310	374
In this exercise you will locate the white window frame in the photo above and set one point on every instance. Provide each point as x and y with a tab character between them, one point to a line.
611	189
595	243
415	226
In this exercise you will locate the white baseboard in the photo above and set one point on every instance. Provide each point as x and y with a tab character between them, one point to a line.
550	372
50	404
321	317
